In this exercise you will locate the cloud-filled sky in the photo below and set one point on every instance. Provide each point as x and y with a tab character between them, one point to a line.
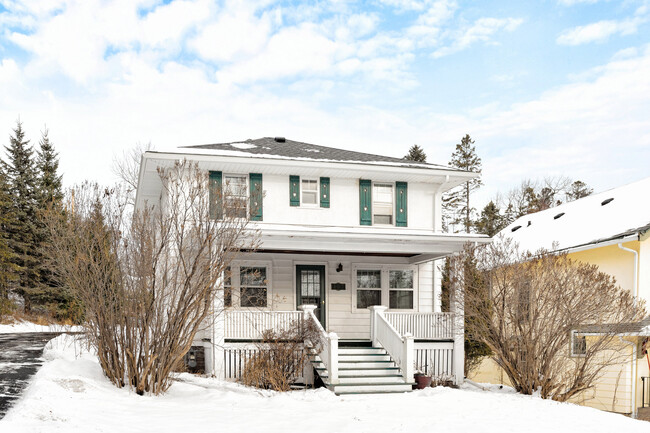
546	88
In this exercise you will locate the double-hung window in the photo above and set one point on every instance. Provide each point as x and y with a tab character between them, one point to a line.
382	203
368	288
227	287
578	344
309	192
400	293
236	195
253	286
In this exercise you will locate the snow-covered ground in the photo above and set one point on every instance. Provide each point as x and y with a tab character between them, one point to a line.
23	326
70	394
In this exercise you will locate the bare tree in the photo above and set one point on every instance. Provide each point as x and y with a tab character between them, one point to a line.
525	308
147	280
127	168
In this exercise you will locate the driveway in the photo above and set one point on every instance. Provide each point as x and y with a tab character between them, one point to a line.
20	357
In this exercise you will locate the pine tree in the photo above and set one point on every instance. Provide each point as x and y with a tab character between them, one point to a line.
491	220
457	201
8	269
23	237
578	190
49	182
416	153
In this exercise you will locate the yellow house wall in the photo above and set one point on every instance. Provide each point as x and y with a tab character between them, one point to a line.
613	389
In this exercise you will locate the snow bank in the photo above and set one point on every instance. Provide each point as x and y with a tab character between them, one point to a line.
70	394
23	326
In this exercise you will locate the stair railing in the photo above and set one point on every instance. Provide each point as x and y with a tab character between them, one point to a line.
399	347
329	353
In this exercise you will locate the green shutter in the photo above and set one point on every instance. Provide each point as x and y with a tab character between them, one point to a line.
401	204
294	190
214	188
365	202
325	192
257	195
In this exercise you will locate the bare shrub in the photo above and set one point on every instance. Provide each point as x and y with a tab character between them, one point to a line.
147	279
524	307
282	356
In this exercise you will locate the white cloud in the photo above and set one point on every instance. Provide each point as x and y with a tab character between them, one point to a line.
575	2
481	31
599	31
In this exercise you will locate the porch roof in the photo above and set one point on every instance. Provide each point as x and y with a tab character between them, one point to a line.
419	245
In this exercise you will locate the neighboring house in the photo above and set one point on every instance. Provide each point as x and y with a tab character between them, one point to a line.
609	229
347	233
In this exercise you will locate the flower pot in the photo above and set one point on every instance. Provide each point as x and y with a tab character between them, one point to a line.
422	381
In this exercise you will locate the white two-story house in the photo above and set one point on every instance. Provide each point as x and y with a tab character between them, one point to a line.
347	239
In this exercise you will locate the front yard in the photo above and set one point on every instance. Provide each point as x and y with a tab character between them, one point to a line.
70	394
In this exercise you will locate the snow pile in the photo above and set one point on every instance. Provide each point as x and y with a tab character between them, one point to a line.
585	221
70	394
243	145
24	326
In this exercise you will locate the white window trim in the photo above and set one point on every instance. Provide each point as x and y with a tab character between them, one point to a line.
392	208
574	334
225	185
385	282
235	283
302	191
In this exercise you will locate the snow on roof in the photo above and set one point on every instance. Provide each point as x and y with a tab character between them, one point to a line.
597	218
282	148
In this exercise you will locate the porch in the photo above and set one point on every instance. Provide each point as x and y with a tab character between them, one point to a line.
400	344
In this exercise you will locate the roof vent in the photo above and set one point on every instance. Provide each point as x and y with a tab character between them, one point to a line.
604	202
280	139
558	215
515	228
529	223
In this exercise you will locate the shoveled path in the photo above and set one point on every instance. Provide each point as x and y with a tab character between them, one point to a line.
20	357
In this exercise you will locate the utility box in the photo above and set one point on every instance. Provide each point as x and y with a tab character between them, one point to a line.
195	360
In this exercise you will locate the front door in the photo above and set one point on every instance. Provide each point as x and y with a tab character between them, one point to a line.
310	284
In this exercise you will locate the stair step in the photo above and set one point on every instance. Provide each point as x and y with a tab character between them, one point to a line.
371	357
349	388
365	364
385	371
360	350
367	380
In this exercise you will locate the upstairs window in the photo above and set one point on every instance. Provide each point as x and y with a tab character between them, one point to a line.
236	195
309	192
382	203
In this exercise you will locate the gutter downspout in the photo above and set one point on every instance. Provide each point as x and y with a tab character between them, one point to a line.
634	294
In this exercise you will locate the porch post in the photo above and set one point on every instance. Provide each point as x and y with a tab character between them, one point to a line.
408	358
374	311
218	331
333	354
457	307
306	309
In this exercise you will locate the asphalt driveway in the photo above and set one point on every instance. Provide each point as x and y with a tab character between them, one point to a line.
20	357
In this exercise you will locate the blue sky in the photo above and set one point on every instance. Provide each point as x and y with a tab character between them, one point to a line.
546	88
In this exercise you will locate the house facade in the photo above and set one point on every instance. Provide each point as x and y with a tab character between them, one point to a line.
610	230
346	239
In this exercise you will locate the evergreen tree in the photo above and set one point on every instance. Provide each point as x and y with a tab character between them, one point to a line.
577	190
457	201
416	153
8	268
49	182
491	220
23	237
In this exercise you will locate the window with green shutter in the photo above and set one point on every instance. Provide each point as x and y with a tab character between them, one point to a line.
294	190
215	192
256	196
324	192
365	202
401	204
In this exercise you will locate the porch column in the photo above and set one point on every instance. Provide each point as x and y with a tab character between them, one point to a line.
457	308
437	285
374	311
218	331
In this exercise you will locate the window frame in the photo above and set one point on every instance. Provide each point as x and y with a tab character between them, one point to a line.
374	207
235	283
572	339
398	289
385	284
246	188
302	192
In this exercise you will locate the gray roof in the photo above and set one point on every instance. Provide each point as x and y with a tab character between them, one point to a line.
622	328
281	147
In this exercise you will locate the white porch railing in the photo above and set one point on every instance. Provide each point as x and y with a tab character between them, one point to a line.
249	325
399	347
423	326
329	353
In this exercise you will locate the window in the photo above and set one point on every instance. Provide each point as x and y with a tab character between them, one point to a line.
253	282
400	294
368	288
236	195
227	287
578	344
382	203
309	192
